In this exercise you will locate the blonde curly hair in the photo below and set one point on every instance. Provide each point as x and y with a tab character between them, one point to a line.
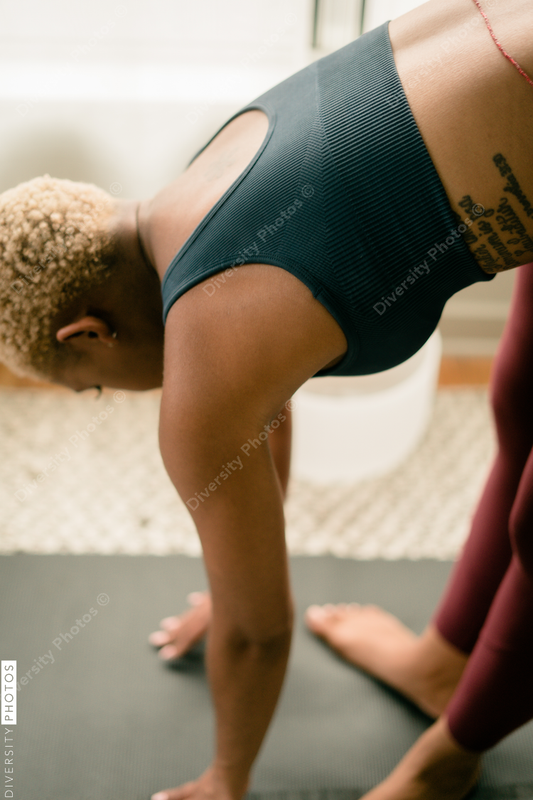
55	247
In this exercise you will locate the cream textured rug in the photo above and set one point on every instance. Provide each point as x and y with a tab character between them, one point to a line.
80	475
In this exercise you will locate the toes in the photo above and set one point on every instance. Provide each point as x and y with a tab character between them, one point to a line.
316	612
317	616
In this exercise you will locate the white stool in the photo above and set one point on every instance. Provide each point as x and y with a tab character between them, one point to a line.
346	429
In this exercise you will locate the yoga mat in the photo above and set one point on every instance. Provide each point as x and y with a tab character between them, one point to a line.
106	719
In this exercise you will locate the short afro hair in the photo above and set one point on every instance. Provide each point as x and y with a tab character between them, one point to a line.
55	246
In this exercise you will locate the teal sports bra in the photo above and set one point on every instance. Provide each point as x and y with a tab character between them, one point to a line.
342	194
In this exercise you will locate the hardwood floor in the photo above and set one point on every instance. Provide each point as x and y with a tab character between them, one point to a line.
454	371
465	371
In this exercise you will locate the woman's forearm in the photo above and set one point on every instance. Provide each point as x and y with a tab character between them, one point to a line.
242	530
246	679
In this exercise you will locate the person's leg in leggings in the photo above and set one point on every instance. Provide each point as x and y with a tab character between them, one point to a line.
487	552
501	659
495	694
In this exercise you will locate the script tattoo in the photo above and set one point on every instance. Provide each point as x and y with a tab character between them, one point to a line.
512	184
503	242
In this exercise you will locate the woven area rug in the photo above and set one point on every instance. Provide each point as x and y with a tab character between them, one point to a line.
80	475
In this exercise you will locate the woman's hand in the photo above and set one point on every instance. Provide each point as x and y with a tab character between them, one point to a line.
180	633
209	786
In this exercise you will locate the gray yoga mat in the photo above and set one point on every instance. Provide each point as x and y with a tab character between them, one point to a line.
108	719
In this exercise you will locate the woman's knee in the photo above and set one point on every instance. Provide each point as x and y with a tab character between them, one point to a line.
511	389
521	524
511	397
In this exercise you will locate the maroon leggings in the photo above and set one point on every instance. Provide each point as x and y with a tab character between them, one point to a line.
487	608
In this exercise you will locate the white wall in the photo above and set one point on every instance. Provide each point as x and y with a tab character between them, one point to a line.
162	30
122	94
379	11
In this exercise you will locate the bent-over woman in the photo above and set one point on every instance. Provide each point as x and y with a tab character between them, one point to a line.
319	232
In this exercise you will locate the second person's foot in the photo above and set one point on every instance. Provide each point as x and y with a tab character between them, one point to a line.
425	668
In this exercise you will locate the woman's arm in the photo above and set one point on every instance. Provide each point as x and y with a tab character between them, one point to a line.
180	633
240	524
232	362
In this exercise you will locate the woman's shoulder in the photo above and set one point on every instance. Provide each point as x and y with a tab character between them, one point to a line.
261	334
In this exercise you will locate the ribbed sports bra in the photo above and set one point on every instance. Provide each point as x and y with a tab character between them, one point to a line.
343	194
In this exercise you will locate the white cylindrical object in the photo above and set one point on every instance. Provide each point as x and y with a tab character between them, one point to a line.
350	428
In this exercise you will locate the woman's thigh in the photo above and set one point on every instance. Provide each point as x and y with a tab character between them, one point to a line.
505	508
511	389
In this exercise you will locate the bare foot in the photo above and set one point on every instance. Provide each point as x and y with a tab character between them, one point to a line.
435	768
180	633
425	668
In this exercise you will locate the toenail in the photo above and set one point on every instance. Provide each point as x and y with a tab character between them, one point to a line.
316	612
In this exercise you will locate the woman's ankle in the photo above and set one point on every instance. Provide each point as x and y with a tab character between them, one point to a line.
438	666
438	658
440	764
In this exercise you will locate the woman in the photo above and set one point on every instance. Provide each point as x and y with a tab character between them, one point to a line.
319	232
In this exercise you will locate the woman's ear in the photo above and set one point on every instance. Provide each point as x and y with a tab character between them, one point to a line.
94	327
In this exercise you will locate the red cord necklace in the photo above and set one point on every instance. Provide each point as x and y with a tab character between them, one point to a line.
511	59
